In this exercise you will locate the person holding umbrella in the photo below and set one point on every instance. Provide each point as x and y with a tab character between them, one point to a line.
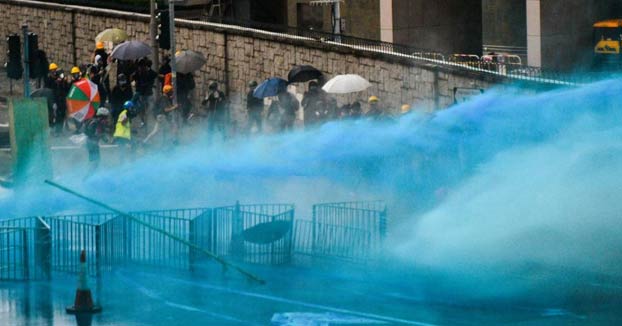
144	79
101	52
272	87
254	107
121	93
185	86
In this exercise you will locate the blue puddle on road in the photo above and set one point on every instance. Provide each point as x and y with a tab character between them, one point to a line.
165	298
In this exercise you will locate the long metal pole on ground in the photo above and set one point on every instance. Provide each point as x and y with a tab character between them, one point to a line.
223	262
171	13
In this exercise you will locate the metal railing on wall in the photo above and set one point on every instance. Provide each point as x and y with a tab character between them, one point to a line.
140	6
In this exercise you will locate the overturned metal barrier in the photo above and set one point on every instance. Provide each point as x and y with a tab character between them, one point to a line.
256	234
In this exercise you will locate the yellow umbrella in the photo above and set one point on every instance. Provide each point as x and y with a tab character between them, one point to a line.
113	35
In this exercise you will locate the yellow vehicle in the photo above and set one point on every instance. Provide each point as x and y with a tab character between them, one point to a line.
607	38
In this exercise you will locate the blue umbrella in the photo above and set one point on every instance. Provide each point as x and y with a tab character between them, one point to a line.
270	87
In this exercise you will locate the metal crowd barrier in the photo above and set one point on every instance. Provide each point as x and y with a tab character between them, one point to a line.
232	221
334	242
25	249
31	248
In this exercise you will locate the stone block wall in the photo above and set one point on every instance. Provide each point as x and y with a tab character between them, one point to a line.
236	56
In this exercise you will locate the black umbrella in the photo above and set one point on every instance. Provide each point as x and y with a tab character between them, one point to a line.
304	73
268	232
189	61
131	50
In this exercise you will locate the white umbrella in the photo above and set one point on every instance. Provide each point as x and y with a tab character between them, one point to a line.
131	50
344	84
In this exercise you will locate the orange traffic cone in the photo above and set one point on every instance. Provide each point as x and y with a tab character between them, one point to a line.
84	300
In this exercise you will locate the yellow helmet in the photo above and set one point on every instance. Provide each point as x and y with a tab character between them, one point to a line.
373	99
405	108
99	45
75	70
166	89
53	66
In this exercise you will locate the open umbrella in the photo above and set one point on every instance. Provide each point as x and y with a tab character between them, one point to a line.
83	100
304	73
344	84
270	87
189	61
268	232
131	50
113	35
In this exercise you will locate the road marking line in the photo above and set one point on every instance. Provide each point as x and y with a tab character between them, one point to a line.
301	303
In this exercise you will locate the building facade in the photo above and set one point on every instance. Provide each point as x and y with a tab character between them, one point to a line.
554	34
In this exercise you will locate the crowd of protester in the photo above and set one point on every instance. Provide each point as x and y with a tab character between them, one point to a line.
137	106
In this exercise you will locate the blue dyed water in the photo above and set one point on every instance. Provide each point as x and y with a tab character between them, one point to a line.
509	195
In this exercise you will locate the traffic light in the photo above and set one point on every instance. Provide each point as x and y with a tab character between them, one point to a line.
164	30
33	57
14	56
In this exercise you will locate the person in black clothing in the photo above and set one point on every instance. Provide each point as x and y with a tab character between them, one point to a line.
217	112
185	86
101	52
164	69
166	115
288	106
355	110
145	79
126	67
312	105
120	94
103	78
95	76
254	106
60	88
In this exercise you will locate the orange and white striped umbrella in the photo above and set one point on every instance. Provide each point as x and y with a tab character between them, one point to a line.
83	100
